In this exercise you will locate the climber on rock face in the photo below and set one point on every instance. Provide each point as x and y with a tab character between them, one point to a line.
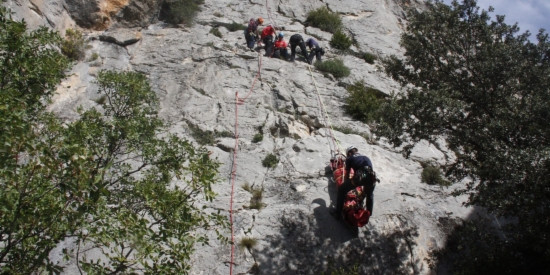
315	50
251	32
297	40
363	177
268	34
280	47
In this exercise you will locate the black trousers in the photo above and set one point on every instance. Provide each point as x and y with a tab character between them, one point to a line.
297	41
280	52
268	42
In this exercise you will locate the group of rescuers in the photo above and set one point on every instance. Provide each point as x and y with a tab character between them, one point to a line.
275	44
360	164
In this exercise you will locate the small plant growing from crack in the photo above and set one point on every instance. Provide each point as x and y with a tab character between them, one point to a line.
270	161
248	243
257	196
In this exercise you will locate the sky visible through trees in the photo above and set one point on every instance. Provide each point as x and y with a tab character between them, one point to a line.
530	15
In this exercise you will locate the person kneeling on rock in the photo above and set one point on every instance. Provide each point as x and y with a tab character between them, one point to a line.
280	47
267	38
251	32
315	50
297	40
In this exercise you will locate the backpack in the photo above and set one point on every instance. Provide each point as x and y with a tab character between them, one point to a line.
353	210
365	177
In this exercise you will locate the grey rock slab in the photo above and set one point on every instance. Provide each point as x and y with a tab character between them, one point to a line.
197	77
41	13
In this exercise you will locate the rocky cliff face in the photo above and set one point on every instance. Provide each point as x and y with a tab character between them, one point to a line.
197	75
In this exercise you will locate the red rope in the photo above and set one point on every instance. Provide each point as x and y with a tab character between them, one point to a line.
258	74
233	178
238	101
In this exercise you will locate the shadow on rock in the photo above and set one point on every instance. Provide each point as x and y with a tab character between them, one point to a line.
318	244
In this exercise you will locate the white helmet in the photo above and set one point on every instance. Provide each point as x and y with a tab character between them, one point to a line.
349	149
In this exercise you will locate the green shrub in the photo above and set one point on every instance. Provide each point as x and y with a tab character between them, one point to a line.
73	46
225	134
340	41
431	175
335	67
256	200
215	31
101	100
93	57
344	130
369	57
247	187
180	11
349	131
363	102
232	27
270	161
257	196
258	138
203	137
248	243
324	19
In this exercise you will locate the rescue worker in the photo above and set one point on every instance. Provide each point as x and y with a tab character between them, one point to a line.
251	32
361	165
280	47
267	38
314	50
297	40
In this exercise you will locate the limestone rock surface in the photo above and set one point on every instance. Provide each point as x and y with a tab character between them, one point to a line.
199	77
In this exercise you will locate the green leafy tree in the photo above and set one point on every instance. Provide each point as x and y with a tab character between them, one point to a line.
483	87
113	182
145	205
30	68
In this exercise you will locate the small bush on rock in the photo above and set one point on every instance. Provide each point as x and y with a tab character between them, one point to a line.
73	46
324	19
216	32
363	102
431	175
180	11
248	243
203	137
256	200
233	26
369	57
258	138
270	161
335	67
340	41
